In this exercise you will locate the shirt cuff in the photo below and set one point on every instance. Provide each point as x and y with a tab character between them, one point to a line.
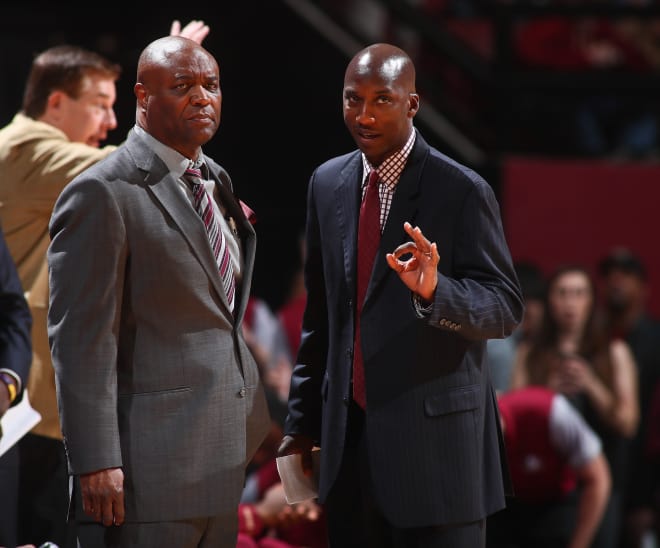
423	308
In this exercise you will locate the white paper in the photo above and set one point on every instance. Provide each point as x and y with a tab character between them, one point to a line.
297	486
17	422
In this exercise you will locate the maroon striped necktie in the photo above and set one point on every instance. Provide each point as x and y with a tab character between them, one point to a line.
367	246
204	208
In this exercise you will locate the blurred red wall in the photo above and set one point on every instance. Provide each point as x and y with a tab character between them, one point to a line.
576	211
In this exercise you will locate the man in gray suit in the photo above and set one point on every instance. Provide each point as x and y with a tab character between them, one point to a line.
160	399
411	447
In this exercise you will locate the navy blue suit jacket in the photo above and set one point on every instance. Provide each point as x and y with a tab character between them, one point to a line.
435	446
15	319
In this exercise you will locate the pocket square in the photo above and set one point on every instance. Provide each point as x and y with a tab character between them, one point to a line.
248	212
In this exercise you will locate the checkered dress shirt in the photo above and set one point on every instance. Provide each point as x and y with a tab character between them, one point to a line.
389	173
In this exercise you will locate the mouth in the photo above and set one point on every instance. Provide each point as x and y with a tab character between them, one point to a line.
202	118
366	135
96	140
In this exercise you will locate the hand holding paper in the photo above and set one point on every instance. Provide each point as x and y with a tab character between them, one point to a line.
17	422
298	486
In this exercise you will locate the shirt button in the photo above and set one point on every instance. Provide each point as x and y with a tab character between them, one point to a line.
242	392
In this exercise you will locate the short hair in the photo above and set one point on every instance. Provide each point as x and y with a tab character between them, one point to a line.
624	260
531	279
62	68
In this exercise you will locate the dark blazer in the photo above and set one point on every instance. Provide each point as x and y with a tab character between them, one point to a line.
15	319
152	370
432	426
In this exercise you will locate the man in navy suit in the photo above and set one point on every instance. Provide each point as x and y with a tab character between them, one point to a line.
417	460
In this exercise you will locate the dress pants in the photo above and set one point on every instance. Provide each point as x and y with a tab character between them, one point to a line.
8	497
44	492
355	519
211	532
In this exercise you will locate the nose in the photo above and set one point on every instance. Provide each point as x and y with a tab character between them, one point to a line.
111	119
199	94
365	116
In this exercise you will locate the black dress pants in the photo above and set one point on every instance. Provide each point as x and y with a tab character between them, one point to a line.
356	521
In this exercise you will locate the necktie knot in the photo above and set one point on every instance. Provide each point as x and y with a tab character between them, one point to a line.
373	178
194	172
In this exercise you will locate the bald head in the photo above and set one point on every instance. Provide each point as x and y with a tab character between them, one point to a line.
380	100
178	93
165	52
385	62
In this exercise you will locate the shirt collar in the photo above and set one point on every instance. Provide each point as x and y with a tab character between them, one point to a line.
176	162
390	170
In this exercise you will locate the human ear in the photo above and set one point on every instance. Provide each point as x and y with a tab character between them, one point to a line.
413	104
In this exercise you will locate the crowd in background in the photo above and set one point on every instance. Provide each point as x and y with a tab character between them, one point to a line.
588	337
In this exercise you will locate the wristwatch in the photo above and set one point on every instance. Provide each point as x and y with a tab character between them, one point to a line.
10	382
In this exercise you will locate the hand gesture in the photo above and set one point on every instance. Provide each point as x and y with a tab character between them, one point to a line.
195	30
420	271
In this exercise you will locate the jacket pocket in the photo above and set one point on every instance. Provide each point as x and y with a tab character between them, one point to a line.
460	399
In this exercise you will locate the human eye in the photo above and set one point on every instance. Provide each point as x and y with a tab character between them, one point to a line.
383	99
351	98
213	86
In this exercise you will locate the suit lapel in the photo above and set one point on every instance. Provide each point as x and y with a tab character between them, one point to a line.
165	189
404	208
172	199
347	193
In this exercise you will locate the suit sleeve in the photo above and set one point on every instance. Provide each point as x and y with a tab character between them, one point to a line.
15	320
481	296
304	394
87	258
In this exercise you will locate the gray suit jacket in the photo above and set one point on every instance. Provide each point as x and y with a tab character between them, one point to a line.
152	371
432	428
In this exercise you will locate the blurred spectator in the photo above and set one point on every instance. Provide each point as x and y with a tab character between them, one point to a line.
291	312
561	480
266	520
574	356
502	352
605	122
625	295
267	340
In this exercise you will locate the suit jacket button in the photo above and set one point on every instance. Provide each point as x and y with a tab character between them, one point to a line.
346	401
242	392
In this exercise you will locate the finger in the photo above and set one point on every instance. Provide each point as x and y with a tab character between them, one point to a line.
410	264
435	252
118	510
407	247
89	506
104	511
423	243
392	262
175	29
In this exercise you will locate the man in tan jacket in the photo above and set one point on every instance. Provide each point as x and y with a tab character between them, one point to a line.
66	114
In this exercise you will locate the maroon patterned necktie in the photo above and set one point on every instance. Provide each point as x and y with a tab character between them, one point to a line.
204	208
367	246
